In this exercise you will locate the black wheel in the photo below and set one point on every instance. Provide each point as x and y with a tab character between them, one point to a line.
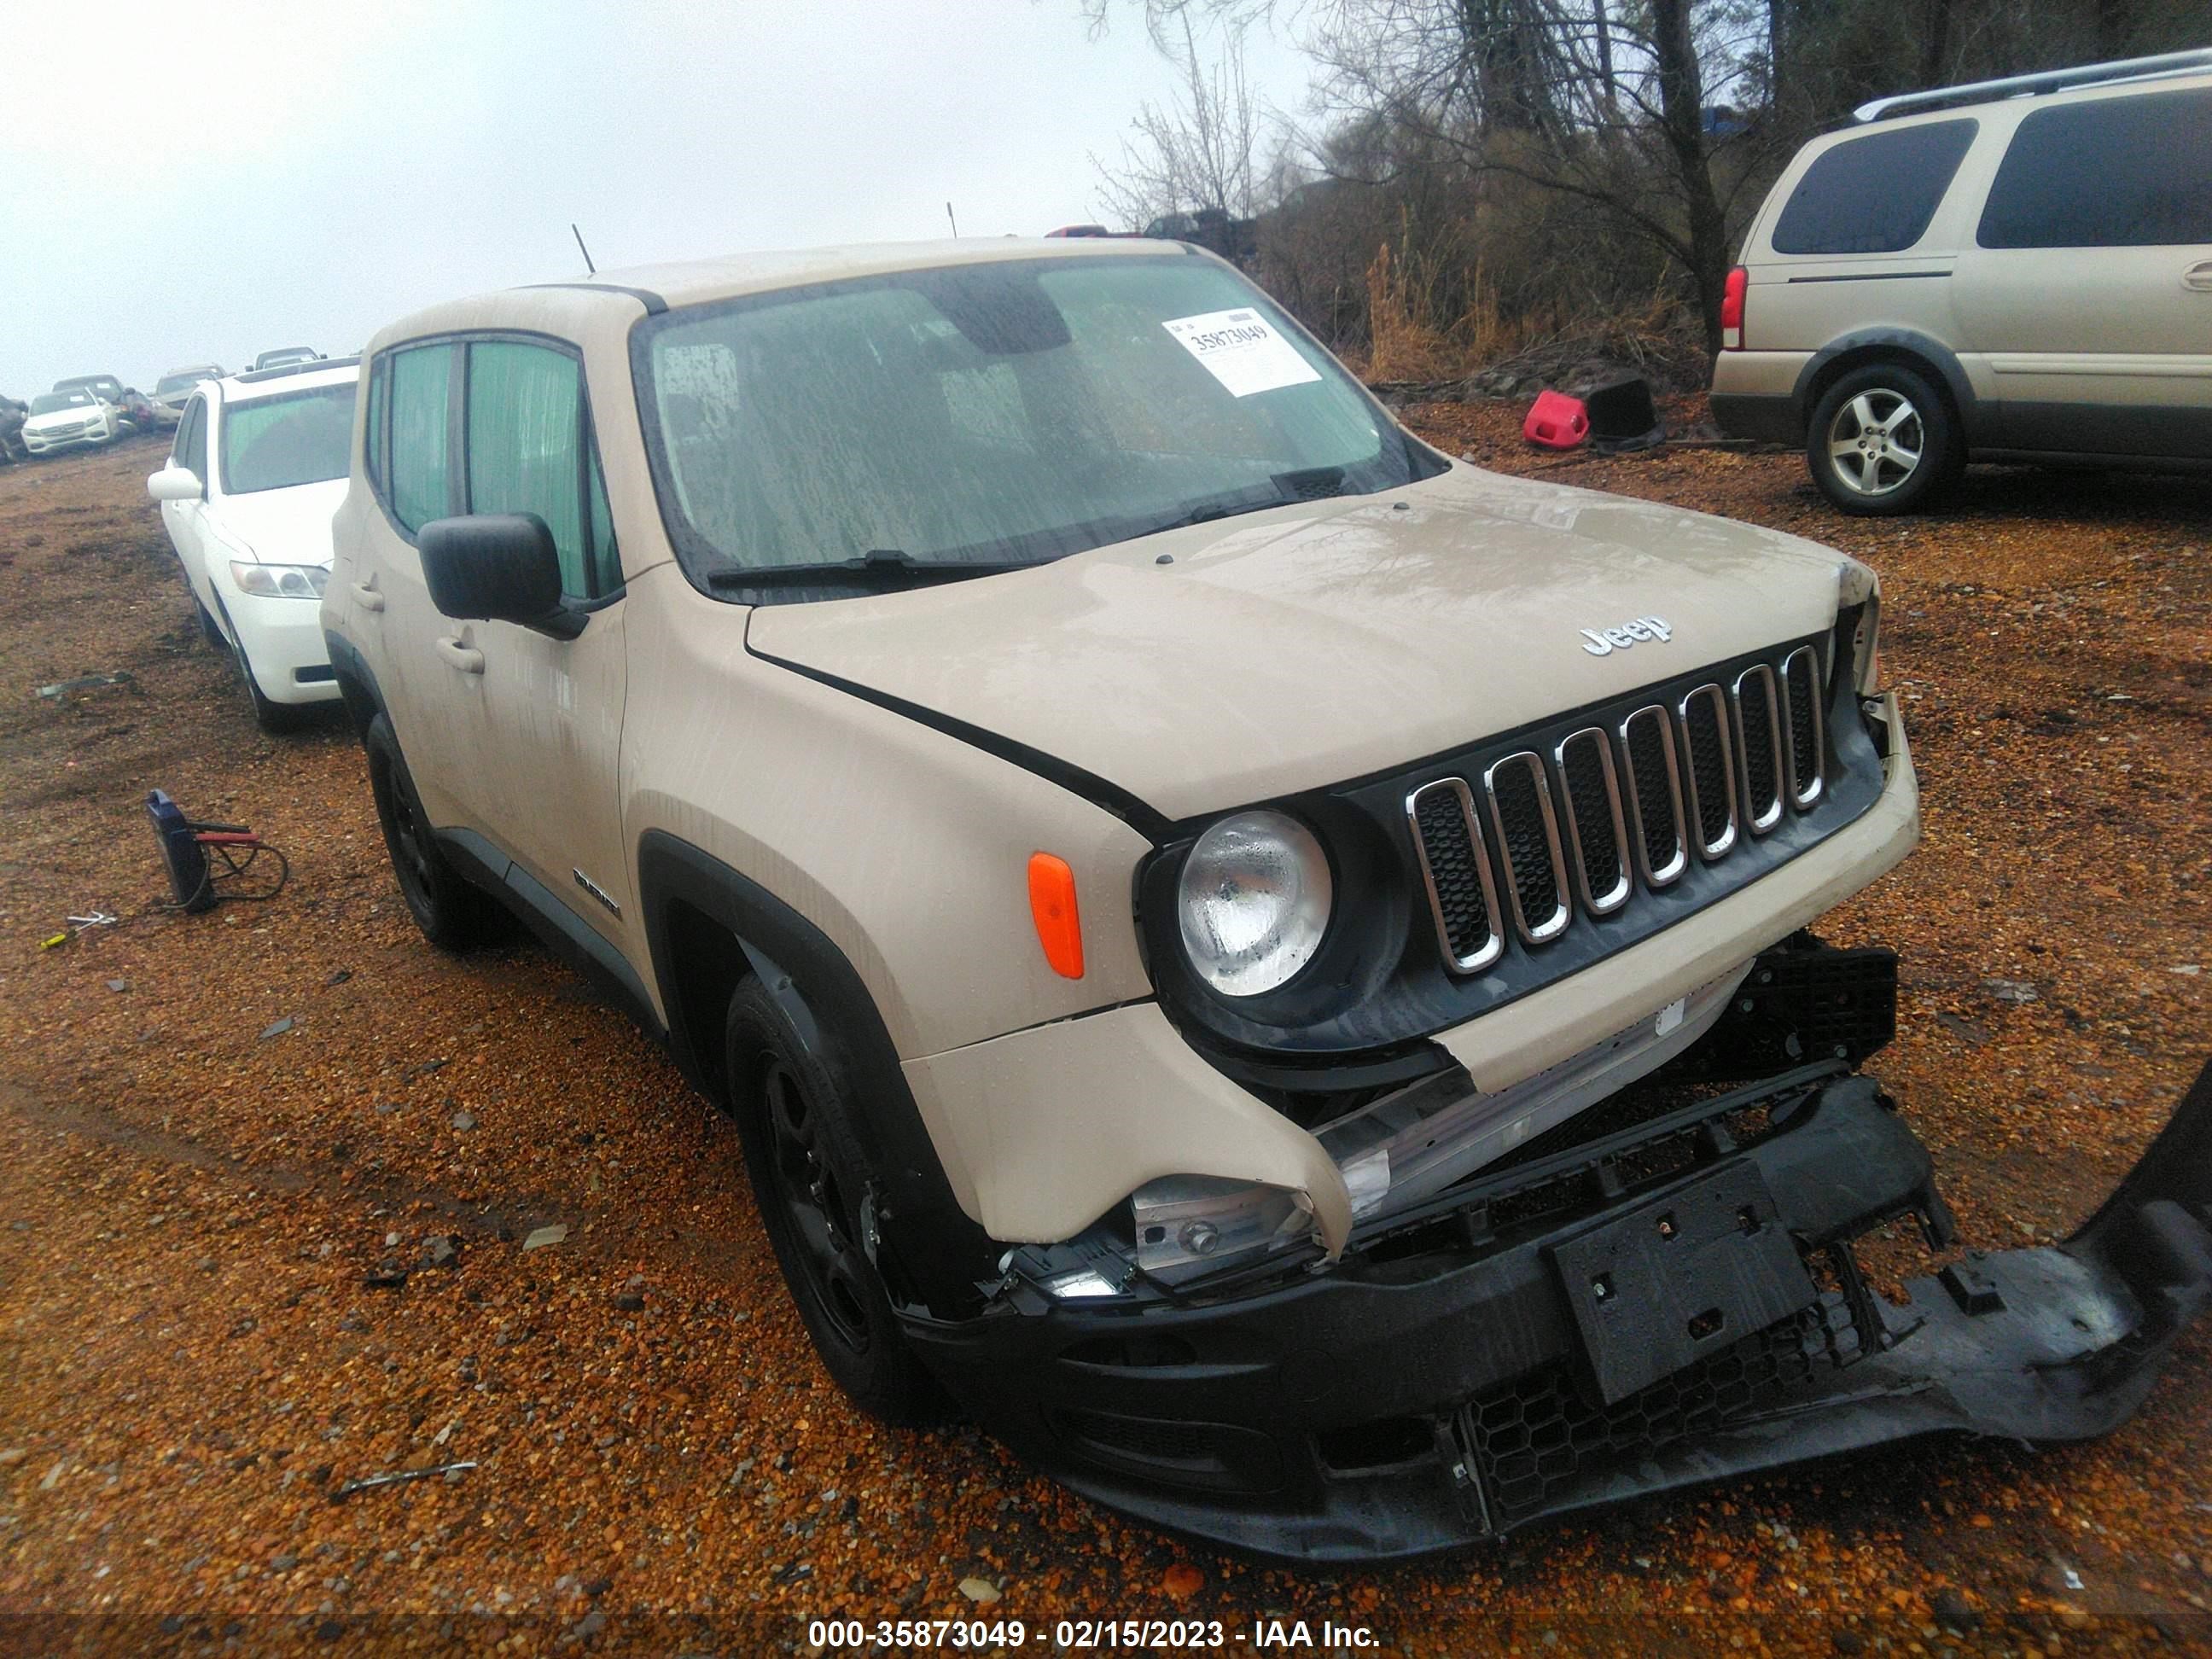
452	915
809	1177
1883	441
208	631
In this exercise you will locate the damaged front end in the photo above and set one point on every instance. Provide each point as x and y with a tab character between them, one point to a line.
1663	1292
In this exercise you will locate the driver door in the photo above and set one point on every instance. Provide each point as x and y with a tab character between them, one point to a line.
551	699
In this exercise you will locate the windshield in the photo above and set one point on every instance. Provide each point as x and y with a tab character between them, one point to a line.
274	443
169	383
989	413
47	402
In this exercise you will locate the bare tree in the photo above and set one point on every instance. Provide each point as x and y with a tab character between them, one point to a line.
1636	133
1197	152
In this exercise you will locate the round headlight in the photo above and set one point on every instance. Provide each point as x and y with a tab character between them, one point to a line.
1254	902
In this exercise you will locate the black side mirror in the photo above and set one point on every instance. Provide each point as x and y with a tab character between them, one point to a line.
501	566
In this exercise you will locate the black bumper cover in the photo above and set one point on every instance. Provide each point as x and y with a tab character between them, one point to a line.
1434	1387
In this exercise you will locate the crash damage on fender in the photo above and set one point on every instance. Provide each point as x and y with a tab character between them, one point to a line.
1672	1301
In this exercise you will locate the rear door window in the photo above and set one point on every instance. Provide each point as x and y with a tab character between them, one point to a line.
1875	194
421	486
2134	172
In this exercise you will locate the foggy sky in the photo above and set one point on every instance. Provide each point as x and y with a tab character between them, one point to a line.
195	180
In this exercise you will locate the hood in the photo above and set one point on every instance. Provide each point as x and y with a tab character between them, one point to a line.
1314	644
281	526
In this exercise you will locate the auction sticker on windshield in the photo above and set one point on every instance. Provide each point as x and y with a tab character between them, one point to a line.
1242	349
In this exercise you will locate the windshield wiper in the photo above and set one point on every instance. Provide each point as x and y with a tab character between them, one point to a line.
876	563
1291	489
1210	511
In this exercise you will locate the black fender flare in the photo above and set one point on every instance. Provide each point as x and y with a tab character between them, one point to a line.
937	1247
357	688
1975	421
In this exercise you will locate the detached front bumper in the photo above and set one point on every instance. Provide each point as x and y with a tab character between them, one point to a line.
1674	1303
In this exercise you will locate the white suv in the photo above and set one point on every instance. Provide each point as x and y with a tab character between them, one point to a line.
2015	270
1181	887
258	464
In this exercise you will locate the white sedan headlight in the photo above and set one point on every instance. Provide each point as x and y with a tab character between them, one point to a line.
1253	902
279	581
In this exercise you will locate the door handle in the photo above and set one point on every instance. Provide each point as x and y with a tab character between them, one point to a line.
2198	275
466	657
365	592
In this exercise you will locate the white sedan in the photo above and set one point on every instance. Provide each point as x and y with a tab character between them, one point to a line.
258	466
77	419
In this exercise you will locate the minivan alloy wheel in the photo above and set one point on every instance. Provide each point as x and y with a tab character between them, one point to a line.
1876	441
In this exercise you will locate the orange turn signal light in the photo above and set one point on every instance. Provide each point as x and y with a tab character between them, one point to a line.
1052	907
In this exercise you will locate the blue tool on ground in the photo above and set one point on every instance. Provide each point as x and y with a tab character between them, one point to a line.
197	880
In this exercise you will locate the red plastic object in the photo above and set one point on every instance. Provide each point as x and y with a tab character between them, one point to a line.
1556	422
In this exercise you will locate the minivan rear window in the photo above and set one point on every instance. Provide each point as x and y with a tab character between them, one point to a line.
1875	194
2133	172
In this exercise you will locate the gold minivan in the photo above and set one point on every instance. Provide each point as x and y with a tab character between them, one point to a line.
2013	270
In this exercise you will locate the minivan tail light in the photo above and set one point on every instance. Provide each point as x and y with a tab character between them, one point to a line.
1732	297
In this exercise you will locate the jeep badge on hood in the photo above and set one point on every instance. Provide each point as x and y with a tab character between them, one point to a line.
1605	641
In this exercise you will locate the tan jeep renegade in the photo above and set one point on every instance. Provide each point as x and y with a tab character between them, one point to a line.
2014	270
1265	963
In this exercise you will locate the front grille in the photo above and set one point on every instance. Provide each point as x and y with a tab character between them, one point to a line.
1800	701
1759	741
1596	832
1655	796
1528	842
1616	806
1708	770
1462	896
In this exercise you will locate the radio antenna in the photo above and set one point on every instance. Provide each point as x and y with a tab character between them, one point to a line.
589	268
950	220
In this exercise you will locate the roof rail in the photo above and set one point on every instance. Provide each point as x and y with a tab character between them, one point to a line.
2022	86
285	371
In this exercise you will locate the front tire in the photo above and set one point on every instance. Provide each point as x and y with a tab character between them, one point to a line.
809	1176
1883	441
452	915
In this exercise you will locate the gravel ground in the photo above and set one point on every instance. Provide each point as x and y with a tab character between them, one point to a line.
221	1295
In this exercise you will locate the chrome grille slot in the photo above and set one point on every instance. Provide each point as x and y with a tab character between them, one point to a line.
1758	743
1455	869
1596	833
1800	701
1528	843
1655	798
1708	769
